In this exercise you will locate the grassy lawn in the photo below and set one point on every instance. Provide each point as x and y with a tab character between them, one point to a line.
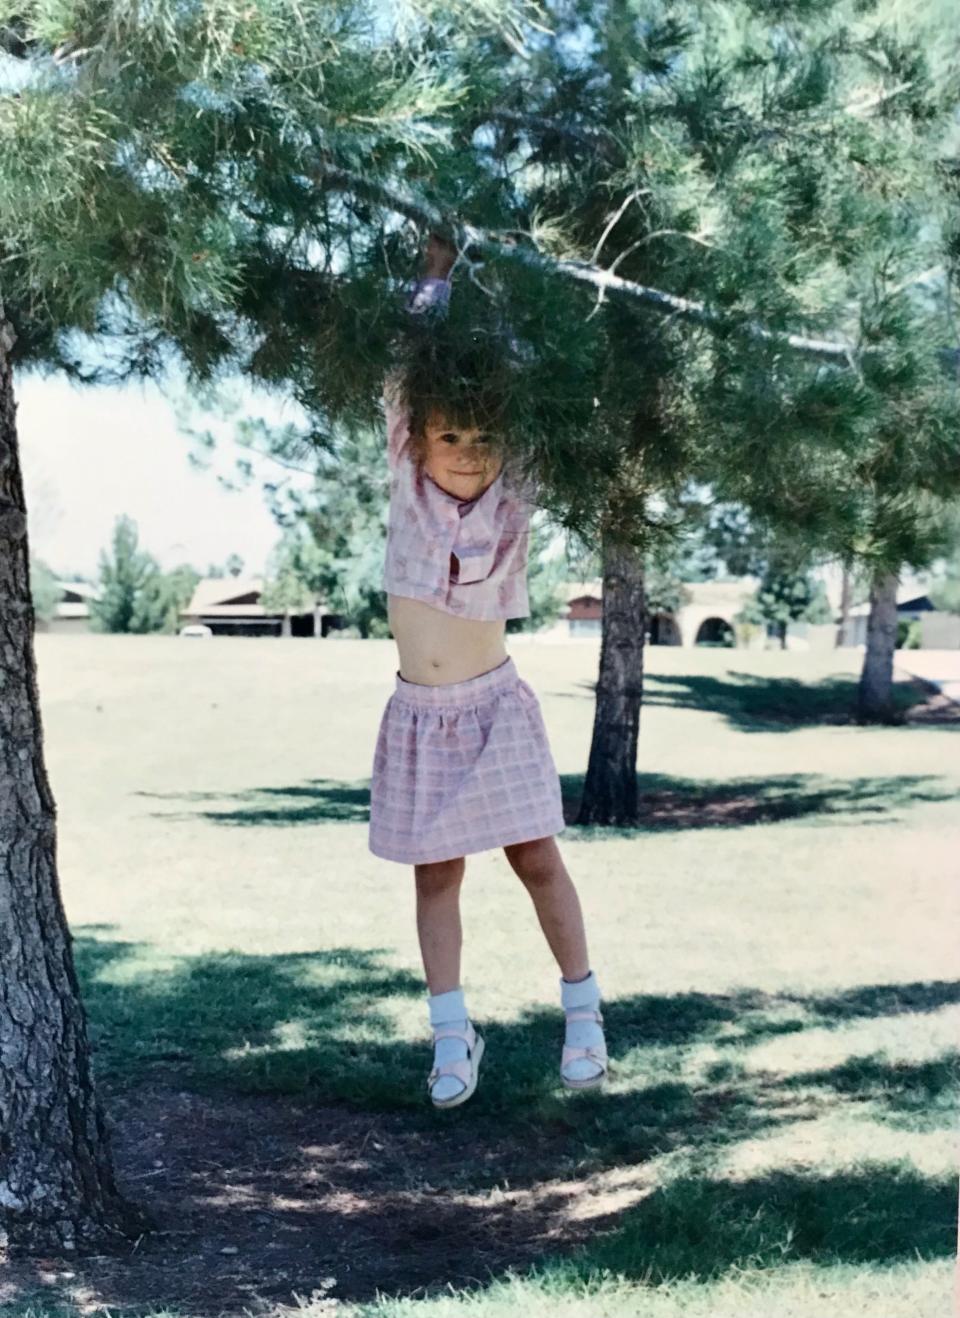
776	945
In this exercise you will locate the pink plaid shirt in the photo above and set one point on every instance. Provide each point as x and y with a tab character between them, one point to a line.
488	536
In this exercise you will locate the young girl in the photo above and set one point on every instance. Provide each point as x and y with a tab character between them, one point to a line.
462	762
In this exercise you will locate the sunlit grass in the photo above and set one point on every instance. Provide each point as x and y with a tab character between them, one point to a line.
775	942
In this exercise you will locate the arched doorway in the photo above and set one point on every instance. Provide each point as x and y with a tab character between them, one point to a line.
664	630
716	631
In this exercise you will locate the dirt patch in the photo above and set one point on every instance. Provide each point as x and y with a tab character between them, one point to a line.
257	1200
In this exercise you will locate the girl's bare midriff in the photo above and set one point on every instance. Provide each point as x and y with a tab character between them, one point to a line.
436	647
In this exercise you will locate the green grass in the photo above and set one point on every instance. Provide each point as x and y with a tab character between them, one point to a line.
775	942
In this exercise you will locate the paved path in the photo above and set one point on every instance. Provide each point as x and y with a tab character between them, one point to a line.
941	667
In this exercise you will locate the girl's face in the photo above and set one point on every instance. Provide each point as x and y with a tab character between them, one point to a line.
464	461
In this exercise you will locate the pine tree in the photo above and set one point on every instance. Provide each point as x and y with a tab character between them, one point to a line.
291	584
245	189
785	596
168	176
44	589
782	177
127	575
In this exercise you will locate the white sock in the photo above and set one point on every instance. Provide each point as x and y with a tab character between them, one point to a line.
448	1008
582	993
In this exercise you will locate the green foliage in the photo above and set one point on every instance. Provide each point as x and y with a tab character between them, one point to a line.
335	530
44	590
124	574
944	591
159	602
545	575
909	634
234	185
785	596
135	595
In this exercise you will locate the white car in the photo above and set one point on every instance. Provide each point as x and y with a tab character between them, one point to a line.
196	629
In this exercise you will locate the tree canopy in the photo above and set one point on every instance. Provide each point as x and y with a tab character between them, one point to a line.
246	186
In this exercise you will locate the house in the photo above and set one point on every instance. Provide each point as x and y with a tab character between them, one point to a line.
706	617
938	630
230	606
584	608
72	614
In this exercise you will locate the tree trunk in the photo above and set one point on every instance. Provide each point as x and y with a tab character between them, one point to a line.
57	1188
610	790
875	696
846	600
782	633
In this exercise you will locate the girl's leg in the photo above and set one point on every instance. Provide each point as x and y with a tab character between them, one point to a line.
457	1047
438	922
540	867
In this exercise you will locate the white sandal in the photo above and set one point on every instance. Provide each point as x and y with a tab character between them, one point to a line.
465	1069
596	1053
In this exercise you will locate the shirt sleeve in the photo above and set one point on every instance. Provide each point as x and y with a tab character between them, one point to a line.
429	294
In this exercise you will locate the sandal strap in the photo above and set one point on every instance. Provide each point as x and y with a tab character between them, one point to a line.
450	1032
596	1053
462	1068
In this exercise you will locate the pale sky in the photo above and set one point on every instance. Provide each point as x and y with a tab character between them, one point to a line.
90	454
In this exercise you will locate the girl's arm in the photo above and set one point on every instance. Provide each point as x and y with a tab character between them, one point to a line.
431	290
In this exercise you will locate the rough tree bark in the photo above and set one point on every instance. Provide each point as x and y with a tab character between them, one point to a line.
875	695
846	600
610	790
57	1189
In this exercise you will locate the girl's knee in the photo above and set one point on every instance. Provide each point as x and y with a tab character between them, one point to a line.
440	874
535	862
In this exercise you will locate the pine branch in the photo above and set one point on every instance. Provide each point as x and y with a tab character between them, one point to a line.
595	138
467	236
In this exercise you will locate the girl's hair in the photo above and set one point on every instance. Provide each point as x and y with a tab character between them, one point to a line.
460	387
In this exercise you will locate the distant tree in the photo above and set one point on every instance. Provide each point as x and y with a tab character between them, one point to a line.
334	523
125	573
234	565
183	582
46	591
547	571
135	595
159	602
293	578
944	589
784	597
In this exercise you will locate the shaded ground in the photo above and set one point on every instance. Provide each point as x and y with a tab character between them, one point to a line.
777	948
258	1199
664	802
757	702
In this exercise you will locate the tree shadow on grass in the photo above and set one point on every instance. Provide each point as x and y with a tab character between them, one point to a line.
317	1024
670	803
753	703
665	802
703	1228
297	1143
318	801
771	704
911	1095
790	1013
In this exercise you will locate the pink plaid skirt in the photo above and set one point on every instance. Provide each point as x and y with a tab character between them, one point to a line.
461	768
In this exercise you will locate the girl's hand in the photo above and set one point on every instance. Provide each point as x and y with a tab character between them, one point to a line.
440	256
